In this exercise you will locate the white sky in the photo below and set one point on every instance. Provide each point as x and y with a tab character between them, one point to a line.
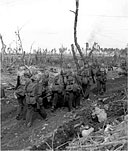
50	23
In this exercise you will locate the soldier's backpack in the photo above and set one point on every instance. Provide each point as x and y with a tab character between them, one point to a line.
84	80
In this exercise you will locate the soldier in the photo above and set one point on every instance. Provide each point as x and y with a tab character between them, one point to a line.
57	92
86	82
92	73
22	79
34	100
77	95
45	90
69	94
101	80
98	79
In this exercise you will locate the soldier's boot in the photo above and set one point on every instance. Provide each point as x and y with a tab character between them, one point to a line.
70	101
20	113
20	108
54	102
29	116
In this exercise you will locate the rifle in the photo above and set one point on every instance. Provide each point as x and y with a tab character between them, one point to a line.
38	104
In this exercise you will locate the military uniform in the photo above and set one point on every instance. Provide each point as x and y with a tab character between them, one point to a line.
22	79
77	95
101	81
86	82
57	92
69	95
92	73
34	100
45	91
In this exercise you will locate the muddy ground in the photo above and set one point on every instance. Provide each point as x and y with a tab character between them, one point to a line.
15	135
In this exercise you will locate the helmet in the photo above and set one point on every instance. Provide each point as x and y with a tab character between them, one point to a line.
37	77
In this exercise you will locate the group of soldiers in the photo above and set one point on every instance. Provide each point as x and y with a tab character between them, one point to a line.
34	92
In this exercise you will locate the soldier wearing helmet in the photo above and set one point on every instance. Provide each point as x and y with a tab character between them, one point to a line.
85	79
33	91
57	92
69	96
101	80
23	77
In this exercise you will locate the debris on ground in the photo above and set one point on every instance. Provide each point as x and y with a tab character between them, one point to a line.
83	132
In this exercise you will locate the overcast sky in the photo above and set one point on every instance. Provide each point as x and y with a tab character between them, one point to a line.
49	23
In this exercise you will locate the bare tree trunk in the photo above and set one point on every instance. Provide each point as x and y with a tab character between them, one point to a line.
2	50
75	31
75	57
21	47
18	34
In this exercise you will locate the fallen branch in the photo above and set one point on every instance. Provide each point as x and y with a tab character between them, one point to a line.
63	144
100	145
72	11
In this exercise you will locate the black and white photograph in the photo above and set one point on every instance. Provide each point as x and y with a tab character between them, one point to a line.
64	74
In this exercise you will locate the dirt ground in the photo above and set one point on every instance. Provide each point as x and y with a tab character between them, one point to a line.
15	135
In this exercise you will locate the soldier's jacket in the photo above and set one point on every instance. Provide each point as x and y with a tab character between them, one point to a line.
71	84
31	92
82	79
20	90
101	76
58	84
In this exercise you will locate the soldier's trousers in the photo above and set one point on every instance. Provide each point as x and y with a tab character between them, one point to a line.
40	108
69	98
86	89
30	113
22	108
98	86
45	100
57	100
76	100
31	109
101	87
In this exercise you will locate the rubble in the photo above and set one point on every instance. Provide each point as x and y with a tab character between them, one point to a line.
114	137
82	132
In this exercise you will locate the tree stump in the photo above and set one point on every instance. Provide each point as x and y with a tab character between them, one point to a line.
2	92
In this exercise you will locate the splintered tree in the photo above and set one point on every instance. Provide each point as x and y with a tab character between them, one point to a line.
75	31
62	50
2	49
93	49
75	57
20	46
